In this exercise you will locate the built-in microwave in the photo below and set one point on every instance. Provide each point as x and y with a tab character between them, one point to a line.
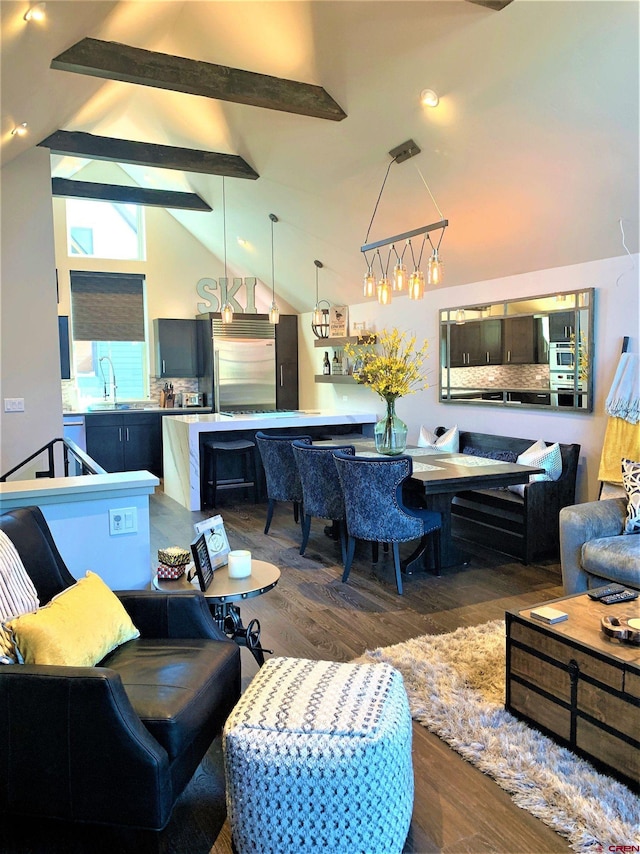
561	356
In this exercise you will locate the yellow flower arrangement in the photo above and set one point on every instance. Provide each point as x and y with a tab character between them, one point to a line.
394	370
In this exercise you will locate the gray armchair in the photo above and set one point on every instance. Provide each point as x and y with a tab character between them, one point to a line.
593	548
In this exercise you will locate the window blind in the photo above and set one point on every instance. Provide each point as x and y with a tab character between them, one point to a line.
107	306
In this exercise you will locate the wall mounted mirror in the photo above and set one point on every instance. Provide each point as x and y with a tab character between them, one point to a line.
532	352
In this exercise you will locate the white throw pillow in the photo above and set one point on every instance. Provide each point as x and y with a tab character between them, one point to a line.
541	456
631	481
17	595
449	442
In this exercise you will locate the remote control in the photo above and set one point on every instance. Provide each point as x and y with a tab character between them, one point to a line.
601	592
623	596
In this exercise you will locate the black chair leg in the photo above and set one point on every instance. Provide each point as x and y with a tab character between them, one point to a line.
343	541
374	553
270	507
396	564
306	528
437	557
351	547
296	511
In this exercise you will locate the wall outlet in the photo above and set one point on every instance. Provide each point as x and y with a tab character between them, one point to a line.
14	404
123	521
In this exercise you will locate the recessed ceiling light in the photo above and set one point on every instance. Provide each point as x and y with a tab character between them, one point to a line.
35	12
20	130
429	98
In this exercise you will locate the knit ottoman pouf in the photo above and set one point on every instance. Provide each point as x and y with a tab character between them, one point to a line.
318	759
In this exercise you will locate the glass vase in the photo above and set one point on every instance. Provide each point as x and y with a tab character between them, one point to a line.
391	432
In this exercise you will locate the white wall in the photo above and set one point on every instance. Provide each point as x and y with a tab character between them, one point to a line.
29	353
617	311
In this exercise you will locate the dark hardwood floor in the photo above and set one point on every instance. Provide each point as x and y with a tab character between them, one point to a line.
311	614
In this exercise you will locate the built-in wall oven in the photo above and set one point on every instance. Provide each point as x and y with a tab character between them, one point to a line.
564	389
561	356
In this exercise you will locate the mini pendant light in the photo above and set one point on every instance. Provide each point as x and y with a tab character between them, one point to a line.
274	311
227	309
369	283
384	291
416	284
434	270
320	316
399	271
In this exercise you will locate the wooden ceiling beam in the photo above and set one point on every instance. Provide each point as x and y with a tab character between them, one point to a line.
128	195
77	144
114	61
496	5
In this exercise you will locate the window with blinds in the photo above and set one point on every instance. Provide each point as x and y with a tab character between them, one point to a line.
108	320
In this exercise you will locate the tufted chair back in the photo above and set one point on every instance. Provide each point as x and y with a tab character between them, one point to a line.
374	510
321	489
280	470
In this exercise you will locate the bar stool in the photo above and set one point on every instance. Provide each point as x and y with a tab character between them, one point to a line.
215	448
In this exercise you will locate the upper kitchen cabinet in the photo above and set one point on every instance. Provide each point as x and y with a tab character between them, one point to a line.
562	325
176	348
475	343
520	340
287	362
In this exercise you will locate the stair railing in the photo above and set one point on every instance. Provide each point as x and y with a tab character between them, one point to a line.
70	451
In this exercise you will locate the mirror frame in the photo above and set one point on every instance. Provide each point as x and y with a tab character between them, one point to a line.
483	388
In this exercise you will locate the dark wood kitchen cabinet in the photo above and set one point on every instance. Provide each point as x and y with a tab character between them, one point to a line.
478	342
129	442
562	325
519	341
287	362
176	347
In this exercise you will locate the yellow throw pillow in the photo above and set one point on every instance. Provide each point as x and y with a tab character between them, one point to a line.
77	628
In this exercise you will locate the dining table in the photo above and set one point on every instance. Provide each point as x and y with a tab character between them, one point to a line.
438	477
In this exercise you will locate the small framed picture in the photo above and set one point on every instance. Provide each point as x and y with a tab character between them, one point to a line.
338	321
216	540
201	561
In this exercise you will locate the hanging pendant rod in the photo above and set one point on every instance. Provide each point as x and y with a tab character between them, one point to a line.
406	235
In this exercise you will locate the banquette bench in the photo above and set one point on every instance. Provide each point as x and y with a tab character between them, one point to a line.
528	526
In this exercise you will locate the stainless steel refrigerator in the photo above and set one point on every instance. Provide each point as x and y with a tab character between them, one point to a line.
239	363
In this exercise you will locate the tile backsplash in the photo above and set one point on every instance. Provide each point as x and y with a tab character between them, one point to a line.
71	401
501	376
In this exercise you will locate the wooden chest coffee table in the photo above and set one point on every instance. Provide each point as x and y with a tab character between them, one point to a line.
578	685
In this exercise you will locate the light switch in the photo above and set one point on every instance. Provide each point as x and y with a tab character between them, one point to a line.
124	520
14	404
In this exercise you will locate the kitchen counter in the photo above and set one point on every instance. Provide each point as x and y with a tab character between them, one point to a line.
181	441
136	409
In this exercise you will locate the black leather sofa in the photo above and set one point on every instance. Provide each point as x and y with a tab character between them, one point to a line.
117	743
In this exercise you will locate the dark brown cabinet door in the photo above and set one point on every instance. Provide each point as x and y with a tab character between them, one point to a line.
287	362
519	341
125	442
478	342
176	347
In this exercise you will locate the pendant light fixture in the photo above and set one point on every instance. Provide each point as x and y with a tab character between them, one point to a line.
227	309
400	280
274	311
320	317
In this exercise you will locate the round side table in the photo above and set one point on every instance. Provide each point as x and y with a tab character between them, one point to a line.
223	593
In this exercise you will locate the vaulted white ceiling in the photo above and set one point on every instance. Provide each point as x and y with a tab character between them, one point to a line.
532	153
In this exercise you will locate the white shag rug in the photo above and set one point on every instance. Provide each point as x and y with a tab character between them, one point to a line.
456	687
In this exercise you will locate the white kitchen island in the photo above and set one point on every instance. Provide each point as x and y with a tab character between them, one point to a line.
181	441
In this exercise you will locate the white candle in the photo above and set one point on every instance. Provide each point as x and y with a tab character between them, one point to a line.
239	563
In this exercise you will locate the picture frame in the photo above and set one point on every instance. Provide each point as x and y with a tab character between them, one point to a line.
216	540
338	321
202	561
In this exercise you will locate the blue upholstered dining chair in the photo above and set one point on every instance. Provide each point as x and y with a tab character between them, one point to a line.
321	489
281	471
374	510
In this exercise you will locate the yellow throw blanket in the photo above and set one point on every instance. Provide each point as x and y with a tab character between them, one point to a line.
621	439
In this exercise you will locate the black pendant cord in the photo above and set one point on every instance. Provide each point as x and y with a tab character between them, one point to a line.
273	219
375	210
224	228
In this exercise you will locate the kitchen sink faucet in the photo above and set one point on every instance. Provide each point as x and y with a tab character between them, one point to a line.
105	382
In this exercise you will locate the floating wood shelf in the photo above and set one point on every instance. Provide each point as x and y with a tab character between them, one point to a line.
335	378
340	342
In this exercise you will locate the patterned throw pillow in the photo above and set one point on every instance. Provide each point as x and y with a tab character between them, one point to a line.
449	442
17	594
541	456
631	481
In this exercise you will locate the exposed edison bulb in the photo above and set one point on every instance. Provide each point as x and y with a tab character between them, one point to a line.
460	317
384	292
227	312
434	272
20	130
369	284
399	276
274	313
317	315
35	12
429	98
416	284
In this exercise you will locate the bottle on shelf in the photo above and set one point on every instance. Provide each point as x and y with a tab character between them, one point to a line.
336	367
326	364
